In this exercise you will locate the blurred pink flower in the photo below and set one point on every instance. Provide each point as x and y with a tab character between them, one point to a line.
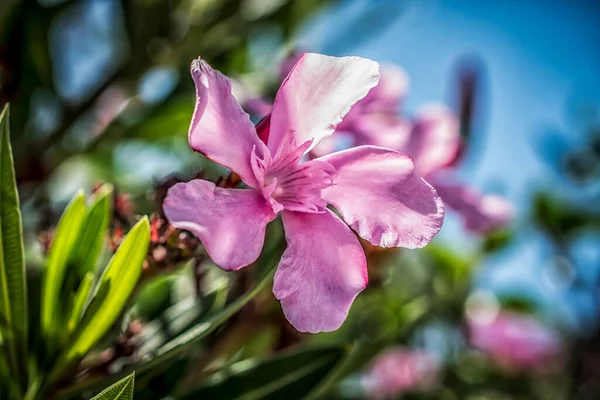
515	341
431	139
376	190
399	370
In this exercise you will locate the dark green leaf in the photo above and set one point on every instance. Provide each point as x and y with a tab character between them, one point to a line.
180	345
13	291
80	299
91	237
288	376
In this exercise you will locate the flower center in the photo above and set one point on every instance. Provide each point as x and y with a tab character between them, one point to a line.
293	185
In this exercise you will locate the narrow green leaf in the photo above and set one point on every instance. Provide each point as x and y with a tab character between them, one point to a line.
80	300
122	390
180	345
285	376
193	335
115	286
63	242
13	291
360	354
91	238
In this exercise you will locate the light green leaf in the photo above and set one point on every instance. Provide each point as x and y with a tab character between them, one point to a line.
63	242
122	390
91	237
80	300
180	345
291	376
13	291
116	285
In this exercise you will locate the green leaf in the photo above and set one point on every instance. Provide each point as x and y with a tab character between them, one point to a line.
13	291
114	289
193	335
63	242
361	353
91	237
80	300
291	375
122	390
180	345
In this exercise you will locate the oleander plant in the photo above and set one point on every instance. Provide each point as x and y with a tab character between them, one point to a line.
194	206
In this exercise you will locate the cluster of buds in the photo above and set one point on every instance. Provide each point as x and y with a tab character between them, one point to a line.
169	246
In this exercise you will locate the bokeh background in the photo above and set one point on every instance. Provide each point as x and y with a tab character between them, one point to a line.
100	91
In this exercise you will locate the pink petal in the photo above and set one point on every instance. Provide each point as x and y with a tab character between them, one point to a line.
387	96
383	130
481	213
435	139
220	129
382	198
258	106
322	270
230	222
288	63
316	95
330	144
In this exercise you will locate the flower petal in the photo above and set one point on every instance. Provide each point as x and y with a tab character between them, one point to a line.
482	213
288	62
220	129
383	130
389	93
316	95
382	198
230	222
435	139
322	270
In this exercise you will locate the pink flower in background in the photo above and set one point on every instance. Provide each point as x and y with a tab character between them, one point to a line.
515	341
431	139
377	191
399	370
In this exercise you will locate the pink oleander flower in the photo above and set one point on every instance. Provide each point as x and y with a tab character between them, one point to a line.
431	139
399	370
376	190
515	341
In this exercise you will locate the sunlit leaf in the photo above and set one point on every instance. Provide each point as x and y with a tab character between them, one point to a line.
63	242
79	301
290	376
122	390
93	230
193	335
181	344
13	291
114	289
